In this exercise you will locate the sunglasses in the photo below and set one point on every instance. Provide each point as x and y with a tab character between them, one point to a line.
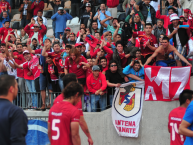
161	37
112	65
36	27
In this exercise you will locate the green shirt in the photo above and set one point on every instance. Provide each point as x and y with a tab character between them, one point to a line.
112	29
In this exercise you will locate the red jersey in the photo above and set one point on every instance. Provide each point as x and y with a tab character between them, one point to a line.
61	115
32	65
76	68
56	57
88	72
4	33
78	105
19	60
123	59
50	70
143	40
4	5
175	119
96	84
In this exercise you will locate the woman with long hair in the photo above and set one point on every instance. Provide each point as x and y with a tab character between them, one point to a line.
74	64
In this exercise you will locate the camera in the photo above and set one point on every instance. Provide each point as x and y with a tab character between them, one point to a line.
61	12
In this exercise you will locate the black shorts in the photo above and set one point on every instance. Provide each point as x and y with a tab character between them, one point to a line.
82	81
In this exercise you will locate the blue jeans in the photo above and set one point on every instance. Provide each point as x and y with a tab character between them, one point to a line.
31	86
60	81
98	98
111	99
57	34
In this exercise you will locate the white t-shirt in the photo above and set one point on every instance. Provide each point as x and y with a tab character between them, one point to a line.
10	70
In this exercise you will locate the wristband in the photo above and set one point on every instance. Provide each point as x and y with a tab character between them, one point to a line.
185	26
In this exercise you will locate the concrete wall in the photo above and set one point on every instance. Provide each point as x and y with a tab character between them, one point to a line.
153	126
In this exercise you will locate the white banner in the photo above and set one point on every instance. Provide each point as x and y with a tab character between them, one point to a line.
127	108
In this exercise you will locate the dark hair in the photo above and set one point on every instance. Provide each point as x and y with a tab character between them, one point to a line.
58	43
24	45
165	38
6	82
6	22
119	42
119	35
19	44
71	77
48	39
136	62
94	22
103	57
148	24
69	46
34	39
3	44
103	4
96	33
72	89
88	57
186	94
138	50
112	61
19	38
40	11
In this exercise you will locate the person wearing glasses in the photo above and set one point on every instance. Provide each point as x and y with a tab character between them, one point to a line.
113	78
40	18
26	13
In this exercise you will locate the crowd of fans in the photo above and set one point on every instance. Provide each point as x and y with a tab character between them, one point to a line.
104	53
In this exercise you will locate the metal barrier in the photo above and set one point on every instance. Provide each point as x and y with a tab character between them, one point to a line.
31	100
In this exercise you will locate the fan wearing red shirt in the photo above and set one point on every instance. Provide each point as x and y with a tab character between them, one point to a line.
63	120
74	64
148	42
97	84
32	63
4	31
176	116
36	6
56	57
4	6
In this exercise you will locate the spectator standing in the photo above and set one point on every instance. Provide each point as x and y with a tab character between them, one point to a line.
5	31
179	35
97	84
128	4
113	78
3	18
55	5
36	6
86	15
26	13
148	11
175	118
68	121
39	16
23	36
75	8
186	126
36	32
13	121
134	71
159	30
187	4
103	15
74	64
175	4
60	19
5	6
112	7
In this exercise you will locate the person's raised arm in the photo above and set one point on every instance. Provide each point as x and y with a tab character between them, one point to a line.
103	21
16	65
116	32
75	133
96	15
151	57
44	53
28	46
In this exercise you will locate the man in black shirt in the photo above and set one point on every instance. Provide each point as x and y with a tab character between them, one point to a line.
13	121
113	78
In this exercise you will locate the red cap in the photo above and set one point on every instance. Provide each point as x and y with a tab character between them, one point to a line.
67	28
187	11
182	16
137	14
78	44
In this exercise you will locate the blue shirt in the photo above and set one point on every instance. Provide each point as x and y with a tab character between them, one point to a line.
102	17
129	70
60	21
189	118
3	20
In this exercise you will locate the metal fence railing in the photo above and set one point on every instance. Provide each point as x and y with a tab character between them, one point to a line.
90	102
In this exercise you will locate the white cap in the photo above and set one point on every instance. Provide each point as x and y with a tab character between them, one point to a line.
60	8
174	16
26	51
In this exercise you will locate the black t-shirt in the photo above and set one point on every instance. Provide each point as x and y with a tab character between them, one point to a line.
114	78
13	124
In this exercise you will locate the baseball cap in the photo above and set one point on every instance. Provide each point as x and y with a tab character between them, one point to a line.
187	11
170	7
88	4
95	67
174	16
36	25
26	51
78	44
60	8
67	29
